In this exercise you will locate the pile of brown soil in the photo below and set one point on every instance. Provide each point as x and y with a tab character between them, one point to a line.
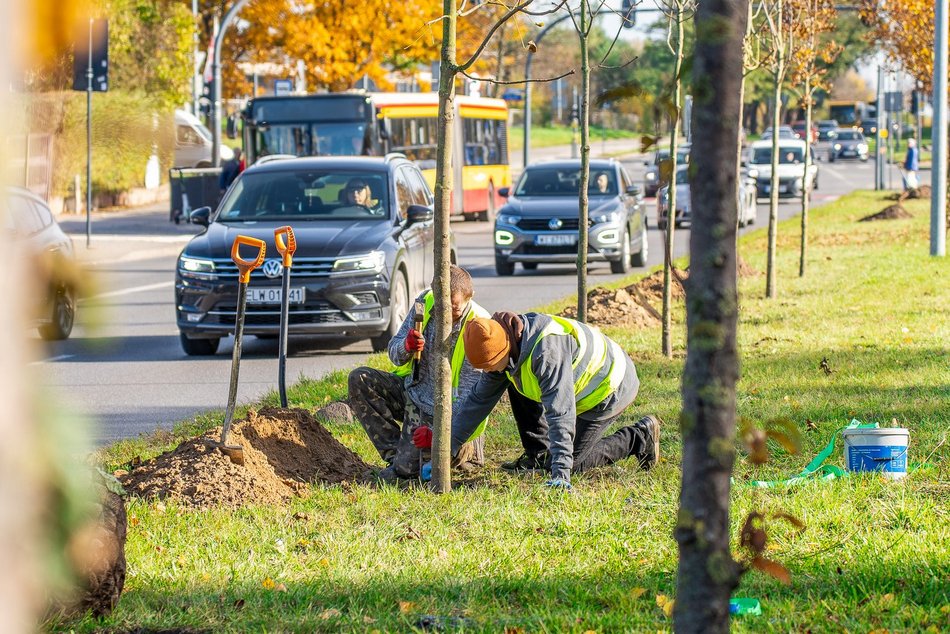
920	192
891	212
636	305
616	308
284	450
743	269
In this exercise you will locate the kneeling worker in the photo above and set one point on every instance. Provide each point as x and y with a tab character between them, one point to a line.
382	400
574	379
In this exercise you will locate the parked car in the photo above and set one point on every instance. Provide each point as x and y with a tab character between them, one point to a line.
784	132
651	180
539	222
799	129
33	229
748	202
193	142
356	268
848	144
827	130
791	167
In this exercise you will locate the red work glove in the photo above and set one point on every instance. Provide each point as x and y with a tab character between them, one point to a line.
415	342
422	437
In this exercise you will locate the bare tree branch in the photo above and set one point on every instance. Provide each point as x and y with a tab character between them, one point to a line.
500	82
518	8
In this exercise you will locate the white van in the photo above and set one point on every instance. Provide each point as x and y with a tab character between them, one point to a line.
193	142
791	167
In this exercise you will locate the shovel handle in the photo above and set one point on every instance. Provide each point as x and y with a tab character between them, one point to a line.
246	266
286	250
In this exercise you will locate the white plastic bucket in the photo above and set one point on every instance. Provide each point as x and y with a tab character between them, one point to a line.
883	450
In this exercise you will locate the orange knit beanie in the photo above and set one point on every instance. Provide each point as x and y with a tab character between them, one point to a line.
486	343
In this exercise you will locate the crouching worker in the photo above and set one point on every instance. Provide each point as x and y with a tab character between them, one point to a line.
572	380
392	405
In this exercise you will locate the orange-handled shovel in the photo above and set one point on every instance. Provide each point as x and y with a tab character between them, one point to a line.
286	250
236	452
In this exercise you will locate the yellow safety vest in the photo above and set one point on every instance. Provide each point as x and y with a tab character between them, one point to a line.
458	353
595	377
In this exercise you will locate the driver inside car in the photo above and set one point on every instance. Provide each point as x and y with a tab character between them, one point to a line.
357	194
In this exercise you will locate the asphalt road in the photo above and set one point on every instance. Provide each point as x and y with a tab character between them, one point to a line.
124	367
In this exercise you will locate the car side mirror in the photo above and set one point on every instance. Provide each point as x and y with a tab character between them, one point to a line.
633	190
419	213
200	216
504	192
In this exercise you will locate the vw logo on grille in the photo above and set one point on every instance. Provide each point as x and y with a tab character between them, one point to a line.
272	268
554	224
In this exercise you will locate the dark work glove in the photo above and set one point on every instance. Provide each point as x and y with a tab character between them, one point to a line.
415	342
422	437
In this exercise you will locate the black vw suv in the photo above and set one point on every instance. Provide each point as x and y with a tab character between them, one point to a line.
356	265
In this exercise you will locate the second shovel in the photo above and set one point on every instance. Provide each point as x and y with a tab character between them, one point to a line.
286	250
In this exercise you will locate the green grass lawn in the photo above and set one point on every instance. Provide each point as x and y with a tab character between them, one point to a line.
561	135
502	554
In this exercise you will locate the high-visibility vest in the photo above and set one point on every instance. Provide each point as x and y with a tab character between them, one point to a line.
458	353
595	376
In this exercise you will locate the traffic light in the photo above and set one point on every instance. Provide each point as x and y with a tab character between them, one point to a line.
95	37
628	13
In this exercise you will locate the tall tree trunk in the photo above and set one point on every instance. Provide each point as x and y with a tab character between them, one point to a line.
667	336
442	415
582	200
707	573
773	194
806	190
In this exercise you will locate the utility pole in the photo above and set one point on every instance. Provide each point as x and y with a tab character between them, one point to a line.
216	70
526	146
938	179
89	141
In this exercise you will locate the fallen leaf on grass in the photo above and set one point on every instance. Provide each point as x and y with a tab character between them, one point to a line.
368	619
810	425
513	629
636	593
773	569
133	521
239	604
405	607
300	515
268	584
887	598
281	588
324	562
329	613
665	603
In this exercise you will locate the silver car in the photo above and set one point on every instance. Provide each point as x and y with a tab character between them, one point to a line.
539	223
748	203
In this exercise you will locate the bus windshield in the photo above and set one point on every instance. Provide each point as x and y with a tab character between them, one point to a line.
312	139
329	194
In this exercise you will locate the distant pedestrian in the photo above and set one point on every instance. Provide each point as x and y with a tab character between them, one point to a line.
911	165
230	171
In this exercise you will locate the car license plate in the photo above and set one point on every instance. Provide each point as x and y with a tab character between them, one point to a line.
556	240
273	295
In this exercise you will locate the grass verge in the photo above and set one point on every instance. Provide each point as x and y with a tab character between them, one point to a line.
499	553
561	135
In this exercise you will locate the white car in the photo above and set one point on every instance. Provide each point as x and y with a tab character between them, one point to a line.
193	142
747	209
792	180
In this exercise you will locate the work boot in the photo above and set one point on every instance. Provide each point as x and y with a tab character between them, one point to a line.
528	462
652	424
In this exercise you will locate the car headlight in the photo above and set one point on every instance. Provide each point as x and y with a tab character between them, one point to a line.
195	265
837	146
372	262
651	176
862	147
507	219
611	216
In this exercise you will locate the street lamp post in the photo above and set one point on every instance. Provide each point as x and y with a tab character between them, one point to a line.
216	70
938	190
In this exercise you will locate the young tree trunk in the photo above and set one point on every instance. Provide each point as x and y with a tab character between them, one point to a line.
442	404
806	190
582	200
773	193
707	573
667	336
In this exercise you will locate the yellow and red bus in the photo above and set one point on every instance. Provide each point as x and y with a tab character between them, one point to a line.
355	123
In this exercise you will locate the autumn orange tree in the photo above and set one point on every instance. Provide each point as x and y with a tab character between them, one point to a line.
810	60
905	30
